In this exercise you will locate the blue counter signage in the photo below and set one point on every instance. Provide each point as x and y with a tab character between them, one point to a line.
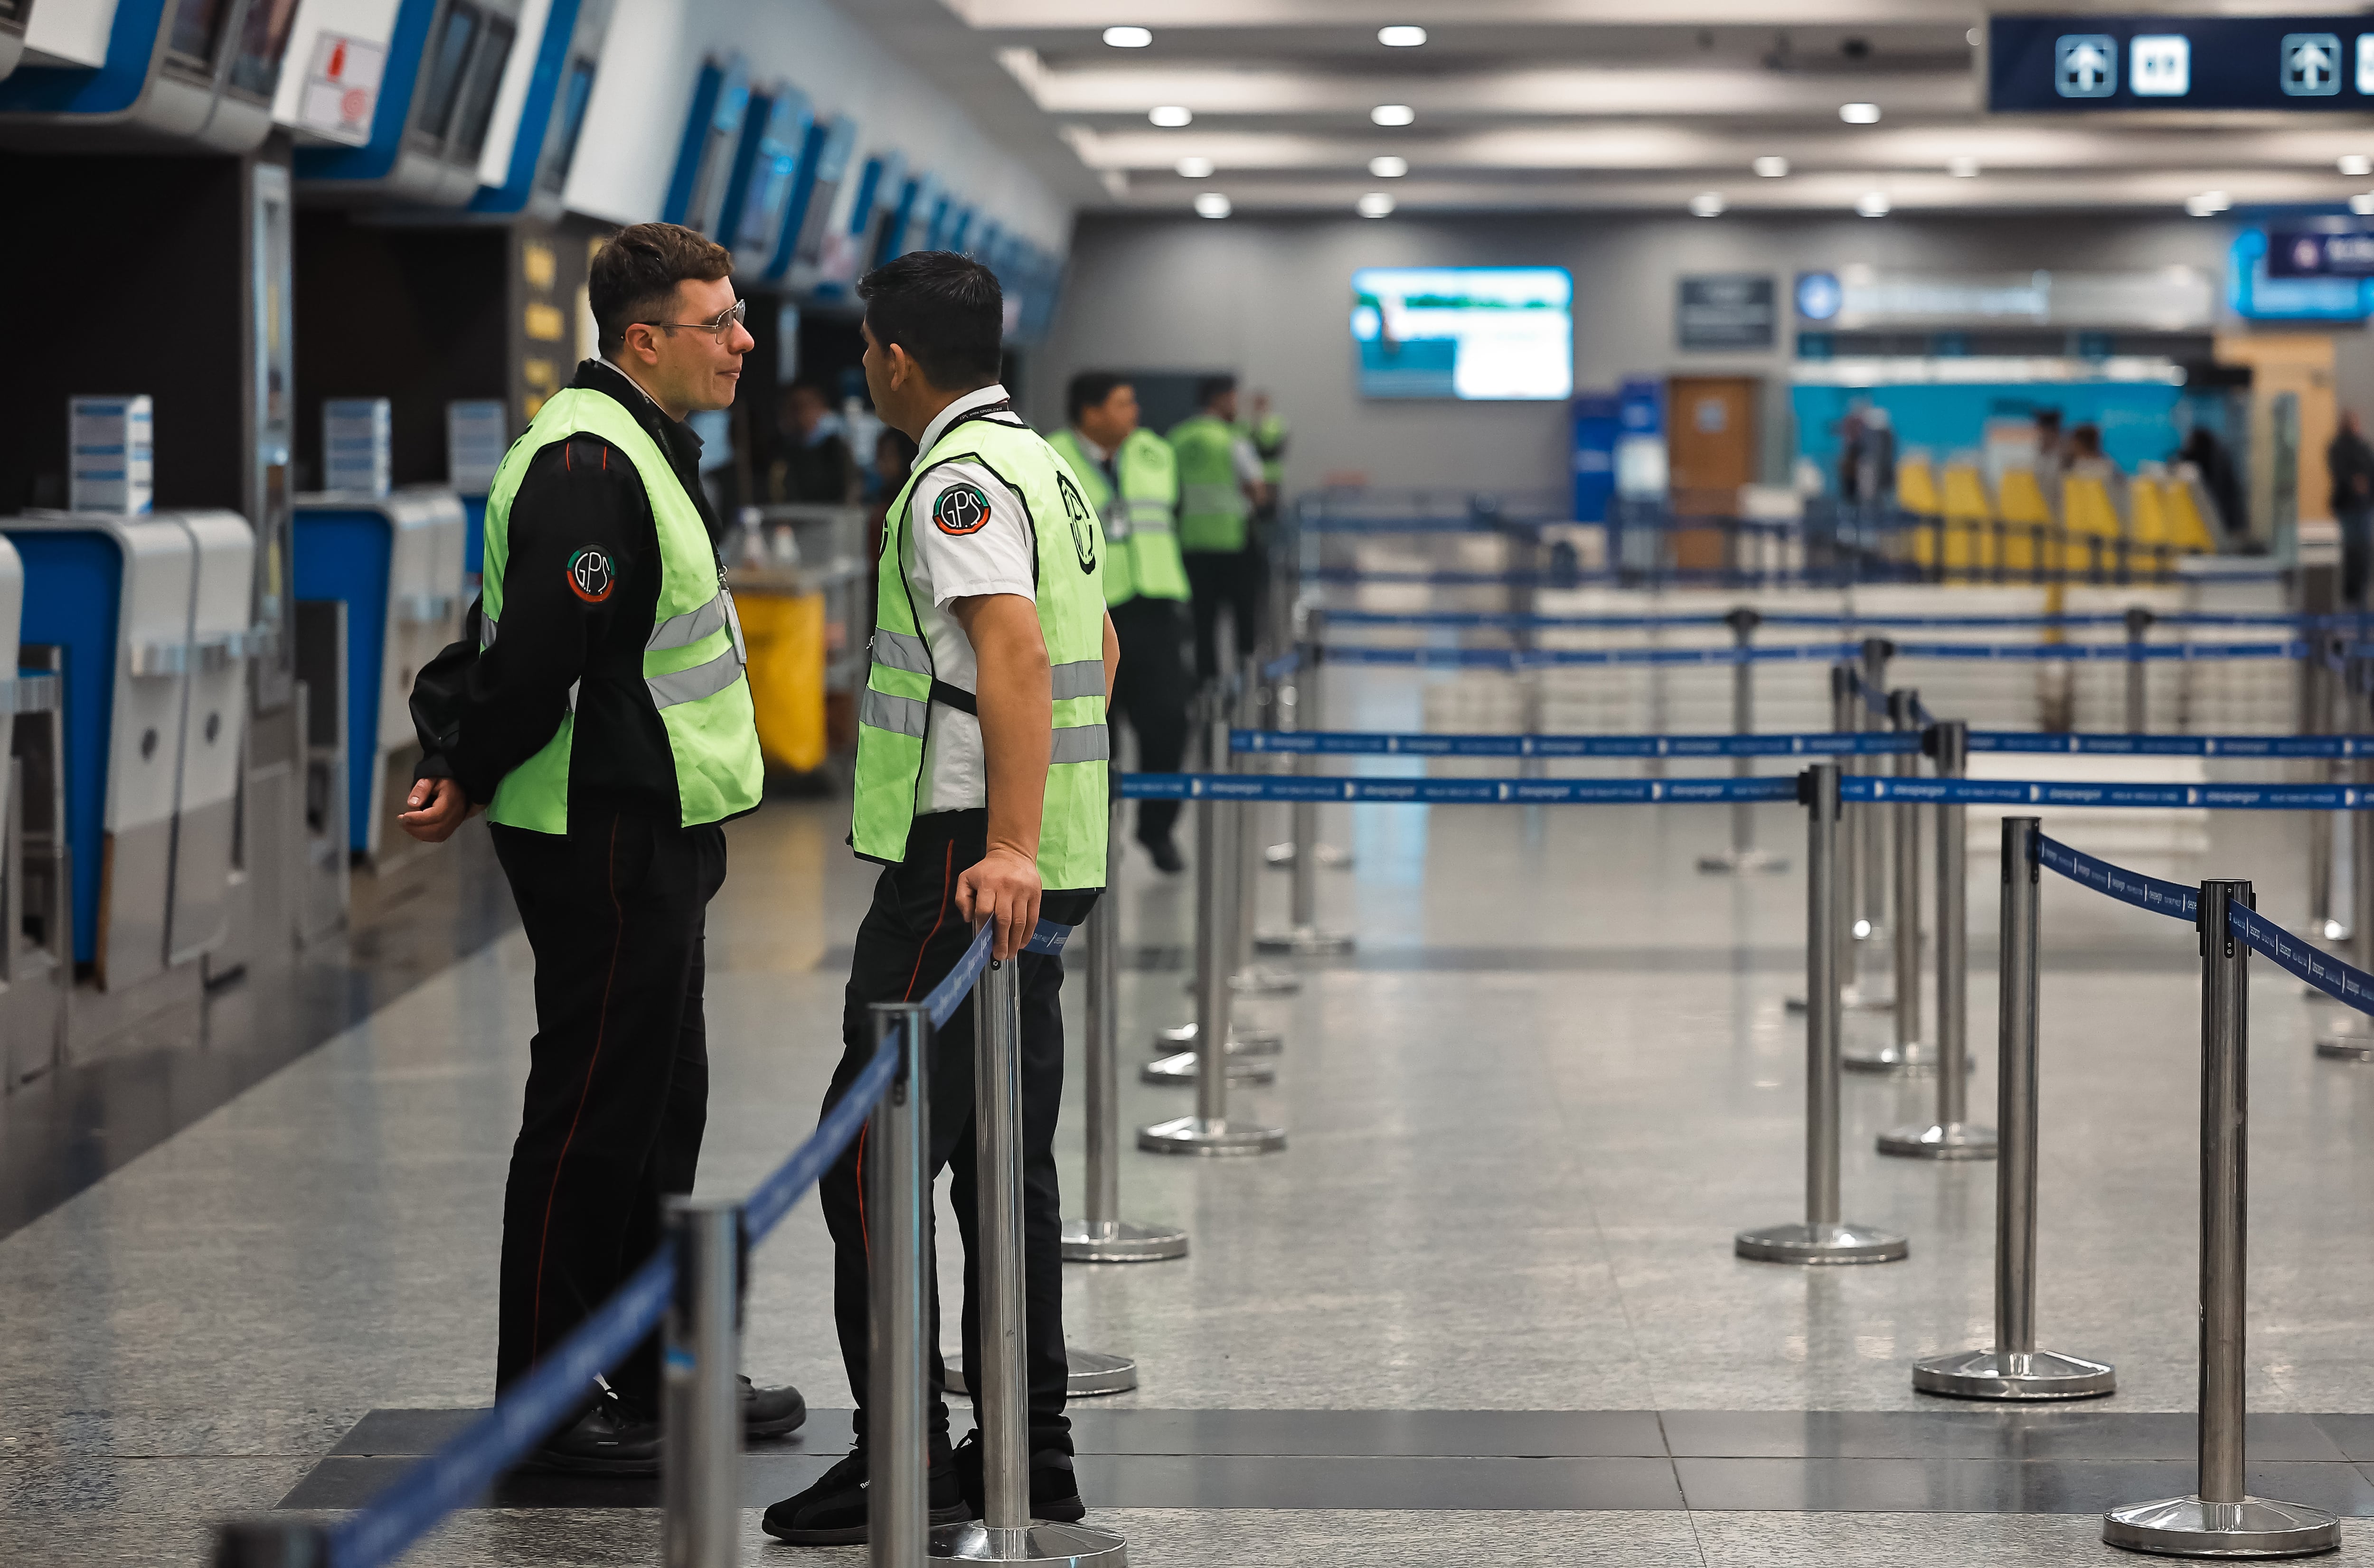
2088	64
2294	252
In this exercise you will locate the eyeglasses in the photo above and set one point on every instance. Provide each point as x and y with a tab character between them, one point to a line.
725	322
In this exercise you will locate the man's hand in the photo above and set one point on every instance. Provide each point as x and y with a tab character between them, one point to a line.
437	807
1003	885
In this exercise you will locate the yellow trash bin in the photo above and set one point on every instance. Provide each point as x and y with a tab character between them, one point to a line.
785	634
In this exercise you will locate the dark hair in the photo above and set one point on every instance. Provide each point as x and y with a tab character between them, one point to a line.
2049	418
1211	389
633	278
944	310
1090	389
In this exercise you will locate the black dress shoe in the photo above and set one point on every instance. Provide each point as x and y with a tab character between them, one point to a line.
1167	858
833	1511
772	1412
1055	1485
611	1439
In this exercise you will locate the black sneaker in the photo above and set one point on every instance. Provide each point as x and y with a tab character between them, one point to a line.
1167	858
772	1412
1055	1485
612	1439
832	1512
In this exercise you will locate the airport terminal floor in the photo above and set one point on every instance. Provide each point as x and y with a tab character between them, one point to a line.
1483	1307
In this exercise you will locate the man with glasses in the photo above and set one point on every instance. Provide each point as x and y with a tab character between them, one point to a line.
597	710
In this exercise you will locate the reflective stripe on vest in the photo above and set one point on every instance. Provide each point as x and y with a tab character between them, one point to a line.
1213	500
683	631
899	715
897	650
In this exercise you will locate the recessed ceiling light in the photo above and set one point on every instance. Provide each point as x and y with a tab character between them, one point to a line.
1393	114
1401	38
1376	203
1170	116
1211	203
1873	204
1388	167
1971	38
2362	203
1128	37
2209	203
2356	165
1772	168
1707	204
1963	166
1858	113
1194	169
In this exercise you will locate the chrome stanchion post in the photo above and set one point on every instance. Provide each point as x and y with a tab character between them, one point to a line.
1303	934
2221	1519
1218	942
898	1262
2353	1038
1249	978
2316	702
2139	623
1006	1532
1104	1236
701	1392
1953	1136
1743	856
1302	816
1872	852
1209	1130
1821	1237
1907	1053
2012	1368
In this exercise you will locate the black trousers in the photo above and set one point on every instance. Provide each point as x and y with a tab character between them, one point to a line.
2357	553
618	1085
1231	577
1151	693
907	943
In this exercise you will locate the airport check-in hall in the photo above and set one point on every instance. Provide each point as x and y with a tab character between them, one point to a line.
1244	782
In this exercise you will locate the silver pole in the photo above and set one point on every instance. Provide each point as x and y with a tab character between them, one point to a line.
2139	622
1249	978
1854	928
1821	1237
2353	1038
1104	1236
1221	924
898	1198
2012	1368
1876	652
1303	934
1907	1054
2221	1519
2316	702
1005	1533
1303	706
1209	1130
701	1469
1743	855
1953	1136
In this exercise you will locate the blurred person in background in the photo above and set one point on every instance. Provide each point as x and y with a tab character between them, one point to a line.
2350	462
812	460
1219	484
2211	461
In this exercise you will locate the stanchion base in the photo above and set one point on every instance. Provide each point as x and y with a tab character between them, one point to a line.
2348	1046
1802	1243
1180	1067
1264	979
1954	1141
2013	1375
1242	1041
1193	1135
1853	999
1917	1059
1093	1372
1307	942
1332	855
1737	863
2188	1526
1038	1542
1119	1241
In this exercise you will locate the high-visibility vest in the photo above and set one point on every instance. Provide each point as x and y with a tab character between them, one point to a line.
901	688
1211	505
1268	434
692	660
1140	530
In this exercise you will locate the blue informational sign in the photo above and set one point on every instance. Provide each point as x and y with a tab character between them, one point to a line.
1595	425
2260	294
2297	252
2081	64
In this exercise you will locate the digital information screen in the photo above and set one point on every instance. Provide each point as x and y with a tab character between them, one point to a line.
1482	333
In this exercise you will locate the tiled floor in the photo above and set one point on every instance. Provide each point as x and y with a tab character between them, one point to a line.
1526	1119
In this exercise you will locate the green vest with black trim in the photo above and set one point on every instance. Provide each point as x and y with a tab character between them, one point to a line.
1140	530
1211	505
902	691
1268	436
692	661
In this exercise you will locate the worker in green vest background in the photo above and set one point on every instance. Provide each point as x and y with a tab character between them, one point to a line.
982	791
597	709
1266	430
1131	478
1219	484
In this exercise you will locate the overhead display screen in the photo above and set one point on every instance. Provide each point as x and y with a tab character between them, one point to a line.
1482	334
2079	63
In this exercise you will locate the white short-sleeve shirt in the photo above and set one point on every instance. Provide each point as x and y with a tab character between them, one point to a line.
958	554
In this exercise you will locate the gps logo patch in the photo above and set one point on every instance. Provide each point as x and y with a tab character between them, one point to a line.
1083	520
590	575
961	509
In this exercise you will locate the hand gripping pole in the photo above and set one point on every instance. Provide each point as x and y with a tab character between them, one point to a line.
2012	1368
2220	1519
1952	1136
1821	1237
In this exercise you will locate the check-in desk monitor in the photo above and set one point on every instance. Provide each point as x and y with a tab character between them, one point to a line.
200	72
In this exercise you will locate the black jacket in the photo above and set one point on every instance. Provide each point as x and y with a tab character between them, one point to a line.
580	505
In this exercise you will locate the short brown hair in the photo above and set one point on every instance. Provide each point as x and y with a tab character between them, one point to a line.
633	278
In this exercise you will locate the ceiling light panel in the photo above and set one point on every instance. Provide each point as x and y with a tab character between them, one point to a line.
1376	203
1707	204
1873	204
2356	165
1393	114
1962	166
1772	168
1211	203
1388	167
1402	37
1170	116
1858	113
1128	37
1195	168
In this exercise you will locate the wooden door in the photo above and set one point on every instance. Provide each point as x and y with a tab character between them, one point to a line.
1709	451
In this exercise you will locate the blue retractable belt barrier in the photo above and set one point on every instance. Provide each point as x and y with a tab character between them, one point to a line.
1842	621
2114	652
1530	658
1780	786
2342	982
2027	793
1322	743
558	1384
2243	747
2171	898
1284	665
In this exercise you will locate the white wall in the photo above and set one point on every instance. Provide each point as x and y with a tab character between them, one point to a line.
1269	299
635	121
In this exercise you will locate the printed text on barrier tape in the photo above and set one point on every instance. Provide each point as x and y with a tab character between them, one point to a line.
2342	982
2029	792
1824	742
1502	618
2171	898
2174	745
1856	787
1527	657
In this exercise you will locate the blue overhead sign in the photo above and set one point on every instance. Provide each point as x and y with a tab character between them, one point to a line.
2086	63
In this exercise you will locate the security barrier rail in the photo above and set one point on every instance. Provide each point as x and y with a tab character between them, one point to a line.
1816	742
1512	620
1680	791
1824	653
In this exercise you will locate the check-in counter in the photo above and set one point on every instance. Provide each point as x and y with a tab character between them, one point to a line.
35	972
207	805
395	562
